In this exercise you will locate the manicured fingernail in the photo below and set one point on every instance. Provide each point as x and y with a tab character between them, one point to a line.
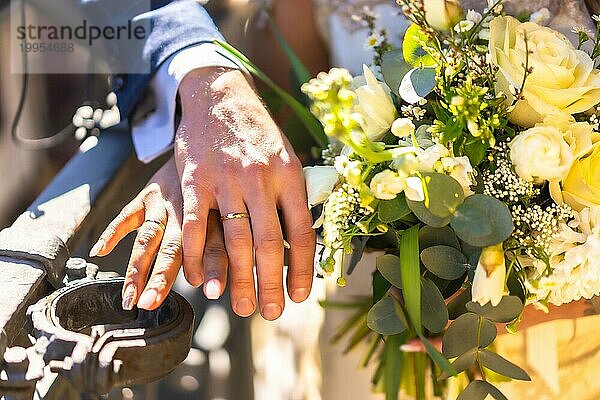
195	279
410	348
244	307
129	296
271	311
96	248
212	289
299	295
147	299
286	245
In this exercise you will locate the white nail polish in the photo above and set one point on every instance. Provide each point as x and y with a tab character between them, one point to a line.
212	289
97	247
147	299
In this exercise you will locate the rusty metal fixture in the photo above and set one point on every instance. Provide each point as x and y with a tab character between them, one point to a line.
97	345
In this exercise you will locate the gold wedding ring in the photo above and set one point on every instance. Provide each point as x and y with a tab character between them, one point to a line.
235	215
153	221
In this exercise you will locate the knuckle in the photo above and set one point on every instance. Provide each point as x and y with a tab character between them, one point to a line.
239	239
214	251
270	243
242	283
159	281
271	288
146	236
133	273
171	249
303	237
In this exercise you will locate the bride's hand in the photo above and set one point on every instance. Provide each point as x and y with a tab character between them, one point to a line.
157	214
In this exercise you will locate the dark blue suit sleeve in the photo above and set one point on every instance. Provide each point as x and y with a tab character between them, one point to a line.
174	25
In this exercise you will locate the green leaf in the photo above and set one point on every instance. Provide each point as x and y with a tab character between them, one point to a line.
411	274
482	221
382	318
501	365
392	210
393	69
417	84
437	357
444	261
462	363
412	47
478	390
393	366
313	126
430	236
380	286
466	332
509	308
389	266
425	216
433	308
476	151
358	247
457	306
445	194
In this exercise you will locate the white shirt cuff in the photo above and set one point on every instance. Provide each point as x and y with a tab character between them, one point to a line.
154	135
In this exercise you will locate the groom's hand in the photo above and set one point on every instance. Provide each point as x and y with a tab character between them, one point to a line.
232	157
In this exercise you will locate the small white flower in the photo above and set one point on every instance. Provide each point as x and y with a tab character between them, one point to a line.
473	16
464	26
403	127
460	169
541	17
488	283
351	170
387	184
373	40
430	156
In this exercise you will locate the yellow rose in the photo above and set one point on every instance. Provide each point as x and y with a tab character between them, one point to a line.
442	14
563	79
581	187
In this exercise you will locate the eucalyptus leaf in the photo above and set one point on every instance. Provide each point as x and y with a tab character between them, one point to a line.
434	313
392	210
478	390
425	216
482	221
382	318
430	236
502	366
389	266
466	332
445	194
509	308
444	261
417	84
380	286
462	363
457	306
393	68
412	47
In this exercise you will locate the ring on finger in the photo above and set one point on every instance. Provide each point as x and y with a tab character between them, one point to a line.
235	215
153	221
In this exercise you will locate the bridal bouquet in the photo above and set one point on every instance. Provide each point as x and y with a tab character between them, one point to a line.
471	156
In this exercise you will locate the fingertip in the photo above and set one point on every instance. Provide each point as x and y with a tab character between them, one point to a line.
148	299
212	289
299	295
194	278
97	248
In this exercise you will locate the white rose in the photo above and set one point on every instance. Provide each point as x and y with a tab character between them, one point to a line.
320	181
488	283
541	154
375	104
387	184
430	156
